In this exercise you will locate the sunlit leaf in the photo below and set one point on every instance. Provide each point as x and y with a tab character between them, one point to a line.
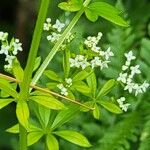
22	112
17	70
5	102
34	137
73	137
108	86
71	5
52	142
48	101
14	129
111	107
52	75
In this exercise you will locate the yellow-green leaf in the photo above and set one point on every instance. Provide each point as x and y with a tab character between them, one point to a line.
52	142
22	112
14	129
73	137
34	137
5	102
48	101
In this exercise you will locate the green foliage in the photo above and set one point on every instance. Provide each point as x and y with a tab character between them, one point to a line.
119	136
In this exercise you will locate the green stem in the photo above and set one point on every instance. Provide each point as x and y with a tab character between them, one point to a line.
24	88
22	138
58	44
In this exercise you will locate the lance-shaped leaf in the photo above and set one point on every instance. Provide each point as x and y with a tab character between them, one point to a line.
44	114
111	107
81	75
108	86
71	5
106	11
17	70
6	87
34	137
52	142
73	137
5	102
96	112
65	116
92	83
66	64
48	101
14	129
22	112
81	87
37	63
52	75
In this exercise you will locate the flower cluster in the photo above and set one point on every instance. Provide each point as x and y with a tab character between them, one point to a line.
100	58
56	31
64	87
128	73
122	105
10	50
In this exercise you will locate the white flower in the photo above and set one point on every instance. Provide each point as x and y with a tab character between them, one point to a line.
54	37
4	49
144	86
122	77
108	53
121	100
123	106
138	89
84	64
48	20
58	25
79	61
96	62
68	81
129	56
100	34
64	91
104	64
17	47
135	69
3	36
95	48
9	58
124	67
130	86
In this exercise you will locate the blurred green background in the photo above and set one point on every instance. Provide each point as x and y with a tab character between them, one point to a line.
128	131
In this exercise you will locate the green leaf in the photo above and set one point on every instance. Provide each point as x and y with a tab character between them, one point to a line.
37	63
34	137
22	112
71	5
92	16
6	86
96	112
66	64
51	85
64	116
17	70
5	102
81	87
52	75
81	76
14	129
92	83
73	137
52	142
44	114
111	107
107	12
48	101
108	86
